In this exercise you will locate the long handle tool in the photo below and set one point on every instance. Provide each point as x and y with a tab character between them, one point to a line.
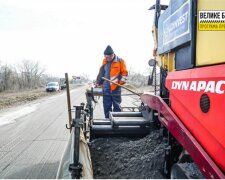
121	86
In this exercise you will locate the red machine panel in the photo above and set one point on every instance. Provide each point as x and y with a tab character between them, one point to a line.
198	98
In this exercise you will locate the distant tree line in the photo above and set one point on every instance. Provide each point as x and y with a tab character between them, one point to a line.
30	74
25	75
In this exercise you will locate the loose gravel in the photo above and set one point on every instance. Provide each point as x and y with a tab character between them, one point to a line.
127	158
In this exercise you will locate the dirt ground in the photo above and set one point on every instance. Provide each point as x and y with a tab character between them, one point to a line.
127	158
9	99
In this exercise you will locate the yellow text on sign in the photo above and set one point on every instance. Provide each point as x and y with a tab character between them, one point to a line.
211	26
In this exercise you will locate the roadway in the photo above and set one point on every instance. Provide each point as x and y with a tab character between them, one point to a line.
33	136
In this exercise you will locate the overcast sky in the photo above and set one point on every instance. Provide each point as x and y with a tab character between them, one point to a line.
71	35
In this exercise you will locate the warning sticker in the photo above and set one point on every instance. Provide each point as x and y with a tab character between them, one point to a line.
211	20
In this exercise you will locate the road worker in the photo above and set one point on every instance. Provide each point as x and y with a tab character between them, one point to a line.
114	69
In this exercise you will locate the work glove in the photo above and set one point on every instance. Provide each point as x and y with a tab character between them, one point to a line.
97	85
121	82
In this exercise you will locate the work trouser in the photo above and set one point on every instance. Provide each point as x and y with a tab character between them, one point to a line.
111	98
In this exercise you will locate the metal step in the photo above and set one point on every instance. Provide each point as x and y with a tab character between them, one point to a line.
103	130
124	114
101	122
129	121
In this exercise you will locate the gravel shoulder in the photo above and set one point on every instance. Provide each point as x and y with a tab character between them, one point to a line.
11	99
16	98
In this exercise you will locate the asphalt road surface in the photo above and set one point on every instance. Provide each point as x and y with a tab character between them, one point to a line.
33	136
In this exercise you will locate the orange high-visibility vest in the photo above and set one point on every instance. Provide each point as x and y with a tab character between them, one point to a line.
118	72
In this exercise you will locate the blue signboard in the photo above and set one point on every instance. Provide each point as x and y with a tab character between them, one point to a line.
174	27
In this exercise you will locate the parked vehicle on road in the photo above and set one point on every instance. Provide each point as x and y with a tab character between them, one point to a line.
52	86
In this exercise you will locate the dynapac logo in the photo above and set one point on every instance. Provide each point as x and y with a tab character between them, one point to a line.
205	86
